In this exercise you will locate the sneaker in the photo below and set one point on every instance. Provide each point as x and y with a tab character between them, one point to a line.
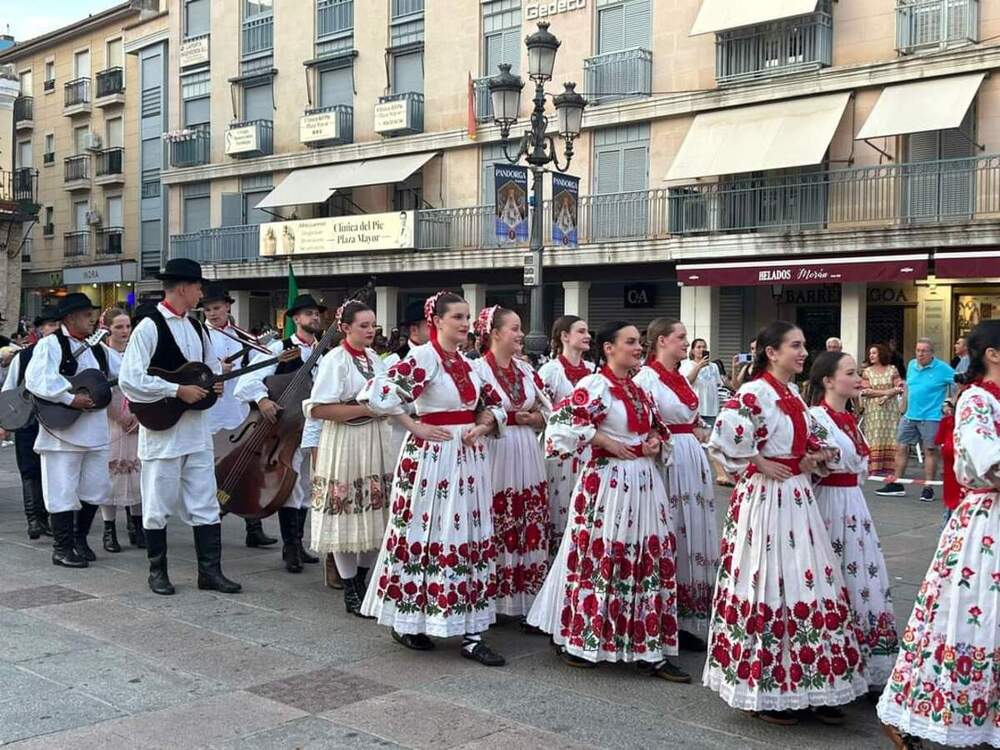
891	489
927	495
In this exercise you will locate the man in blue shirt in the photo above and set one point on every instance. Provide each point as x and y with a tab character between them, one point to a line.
928	381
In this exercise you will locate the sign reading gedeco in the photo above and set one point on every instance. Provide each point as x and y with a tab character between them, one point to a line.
340	234
321	126
241	140
193	52
390	116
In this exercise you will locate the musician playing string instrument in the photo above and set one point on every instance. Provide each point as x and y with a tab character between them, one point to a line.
75	459
178	471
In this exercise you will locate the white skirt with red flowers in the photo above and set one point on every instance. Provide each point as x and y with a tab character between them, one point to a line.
945	686
520	519
783	635
855	542
562	475
435	572
611	594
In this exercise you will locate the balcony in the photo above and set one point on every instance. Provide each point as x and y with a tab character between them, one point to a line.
333	19
192	149
48	230
246	140
48	158
327	126
775	49
76	244
18	194
238	244
109	242
400	114
49	85
258	35
483	102
27	245
24	113
76	97
619	75
76	172
923	25
110	87
109	166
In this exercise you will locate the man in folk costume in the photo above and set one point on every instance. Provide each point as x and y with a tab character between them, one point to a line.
250	388
74	459
229	412
178	471
417	332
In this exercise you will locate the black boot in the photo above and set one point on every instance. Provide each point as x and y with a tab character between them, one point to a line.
288	522
140	533
62	547
84	518
156	551
255	534
110	539
208	546
31	509
353	596
303	553
130	527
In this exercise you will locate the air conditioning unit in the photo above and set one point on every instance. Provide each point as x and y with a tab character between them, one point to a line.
92	142
93	218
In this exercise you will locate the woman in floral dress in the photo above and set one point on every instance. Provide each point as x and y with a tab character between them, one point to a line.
435	574
946	683
783	636
570	342
880	392
353	471
611	594
688	479
833	382
520	502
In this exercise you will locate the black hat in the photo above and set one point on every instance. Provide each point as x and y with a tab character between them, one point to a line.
304	302
215	293
413	314
48	314
181	269
74	302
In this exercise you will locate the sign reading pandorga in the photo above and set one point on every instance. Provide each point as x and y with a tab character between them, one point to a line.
340	234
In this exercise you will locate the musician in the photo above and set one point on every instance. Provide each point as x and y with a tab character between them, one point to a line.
229	412
250	388
178	471
29	464
74	460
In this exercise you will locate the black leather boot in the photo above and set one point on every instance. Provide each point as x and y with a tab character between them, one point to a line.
288	522
140	533
303	514
62	547
353	596
130	527
84	518
255	534
156	552
110	539
208	547
31	509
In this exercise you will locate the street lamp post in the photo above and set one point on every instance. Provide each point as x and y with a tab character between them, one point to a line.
536	146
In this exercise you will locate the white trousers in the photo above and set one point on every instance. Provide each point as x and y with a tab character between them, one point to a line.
69	477
183	485
301	495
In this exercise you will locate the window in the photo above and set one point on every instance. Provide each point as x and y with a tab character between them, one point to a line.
113	214
258	101
50	70
408	73
488	156
501	35
409	194
334	26
336	86
258	28
197	18
195	89
935	24
81	64
257	7
24	156
197	207
80	211
940	181
621	170
622	25
80	139
253	190
114	133
50	143
26	83
48	228
114	54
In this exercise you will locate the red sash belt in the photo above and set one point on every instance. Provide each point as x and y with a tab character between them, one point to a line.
682	429
635	450
512	419
791	463
448	418
839	480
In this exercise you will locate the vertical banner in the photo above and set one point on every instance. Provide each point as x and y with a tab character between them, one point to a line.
565	209
511	184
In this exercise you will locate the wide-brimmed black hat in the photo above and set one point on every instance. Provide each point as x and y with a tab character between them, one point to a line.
413	314
48	314
215	293
74	302
181	269
304	302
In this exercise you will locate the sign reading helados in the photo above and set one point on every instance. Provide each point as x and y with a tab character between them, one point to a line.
338	234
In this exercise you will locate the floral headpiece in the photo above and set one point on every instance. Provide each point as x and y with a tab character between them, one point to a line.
484	323
340	310
430	304
100	319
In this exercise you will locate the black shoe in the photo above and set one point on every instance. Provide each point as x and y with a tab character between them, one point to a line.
255	534
780	718
288	522
110	539
62	546
830	715
84	518
665	670
414	641
130	527
927	495
41	514
691	642
31	509
529	629
483	654
353	596
307	557
208	547
139	539
891	489
575	661
156	552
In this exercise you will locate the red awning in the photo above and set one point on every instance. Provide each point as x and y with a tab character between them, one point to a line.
969	264
801	271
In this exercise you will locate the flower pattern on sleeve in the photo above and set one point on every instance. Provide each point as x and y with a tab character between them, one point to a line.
575	419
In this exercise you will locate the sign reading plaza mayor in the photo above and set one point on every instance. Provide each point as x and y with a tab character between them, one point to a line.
193	52
535	11
339	234
241	140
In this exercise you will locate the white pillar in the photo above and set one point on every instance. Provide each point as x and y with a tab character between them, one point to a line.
386	307
700	313
576	298
240	309
853	318
475	295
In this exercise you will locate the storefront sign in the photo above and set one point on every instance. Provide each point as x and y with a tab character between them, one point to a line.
640	295
565	209
841	270
540	10
820	295
322	126
341	234
511	201
392	116
242	140
41	279
193	52
891	295
108	274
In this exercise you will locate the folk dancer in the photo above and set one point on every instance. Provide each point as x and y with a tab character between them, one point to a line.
178	472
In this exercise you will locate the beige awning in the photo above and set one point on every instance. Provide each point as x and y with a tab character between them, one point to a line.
792	133
935	104
317	184
720	15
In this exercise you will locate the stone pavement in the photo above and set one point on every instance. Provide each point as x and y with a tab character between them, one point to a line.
92	659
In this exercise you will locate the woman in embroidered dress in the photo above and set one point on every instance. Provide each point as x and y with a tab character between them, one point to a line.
688	479
435	573
520	503
945	686
880	393
353	472
834	381
611	594
123	436
782	636
570	342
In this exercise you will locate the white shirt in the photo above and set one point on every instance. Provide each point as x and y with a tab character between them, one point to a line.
706	385
13	373
191	434
229	412
42	378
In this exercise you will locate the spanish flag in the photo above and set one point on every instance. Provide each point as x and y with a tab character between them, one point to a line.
471	124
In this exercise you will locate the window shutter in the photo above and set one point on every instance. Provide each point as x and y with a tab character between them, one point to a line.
257	103
636	24
731	339
198	18
922	177
610	29
253	216
197	111
114	217
336	87
197	214
635	164
957	178
512	50
232	209
408	73
608	172
493	44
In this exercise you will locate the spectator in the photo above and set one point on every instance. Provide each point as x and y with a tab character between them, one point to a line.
895	358
707	378
833	344
880	390
928	381
743	371
961	361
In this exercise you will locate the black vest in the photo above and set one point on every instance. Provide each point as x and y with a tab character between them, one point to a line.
68	365
284	368
23	360
167	355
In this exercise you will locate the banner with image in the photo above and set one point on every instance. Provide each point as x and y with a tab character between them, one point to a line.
511	184
565	209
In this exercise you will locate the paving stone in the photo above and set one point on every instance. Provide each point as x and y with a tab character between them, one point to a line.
523	738
99	618
33	714
24	637
239	664
404	668
321	690
311	733
40	596
162	637
16	682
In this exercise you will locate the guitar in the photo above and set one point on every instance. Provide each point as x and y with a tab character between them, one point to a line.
251	346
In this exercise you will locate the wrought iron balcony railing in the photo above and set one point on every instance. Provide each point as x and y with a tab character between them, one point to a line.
76	168
193	150
109	161
931	24
76	244
77	92
258	35
258	143
24	109
619	75
109	241
110	82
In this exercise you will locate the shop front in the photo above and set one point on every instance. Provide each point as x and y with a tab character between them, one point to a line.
973	280
111	285
39	288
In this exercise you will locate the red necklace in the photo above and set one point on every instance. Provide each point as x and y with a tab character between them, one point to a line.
639	420
511	380
459	371
574	373
793	407
677	383
849	426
